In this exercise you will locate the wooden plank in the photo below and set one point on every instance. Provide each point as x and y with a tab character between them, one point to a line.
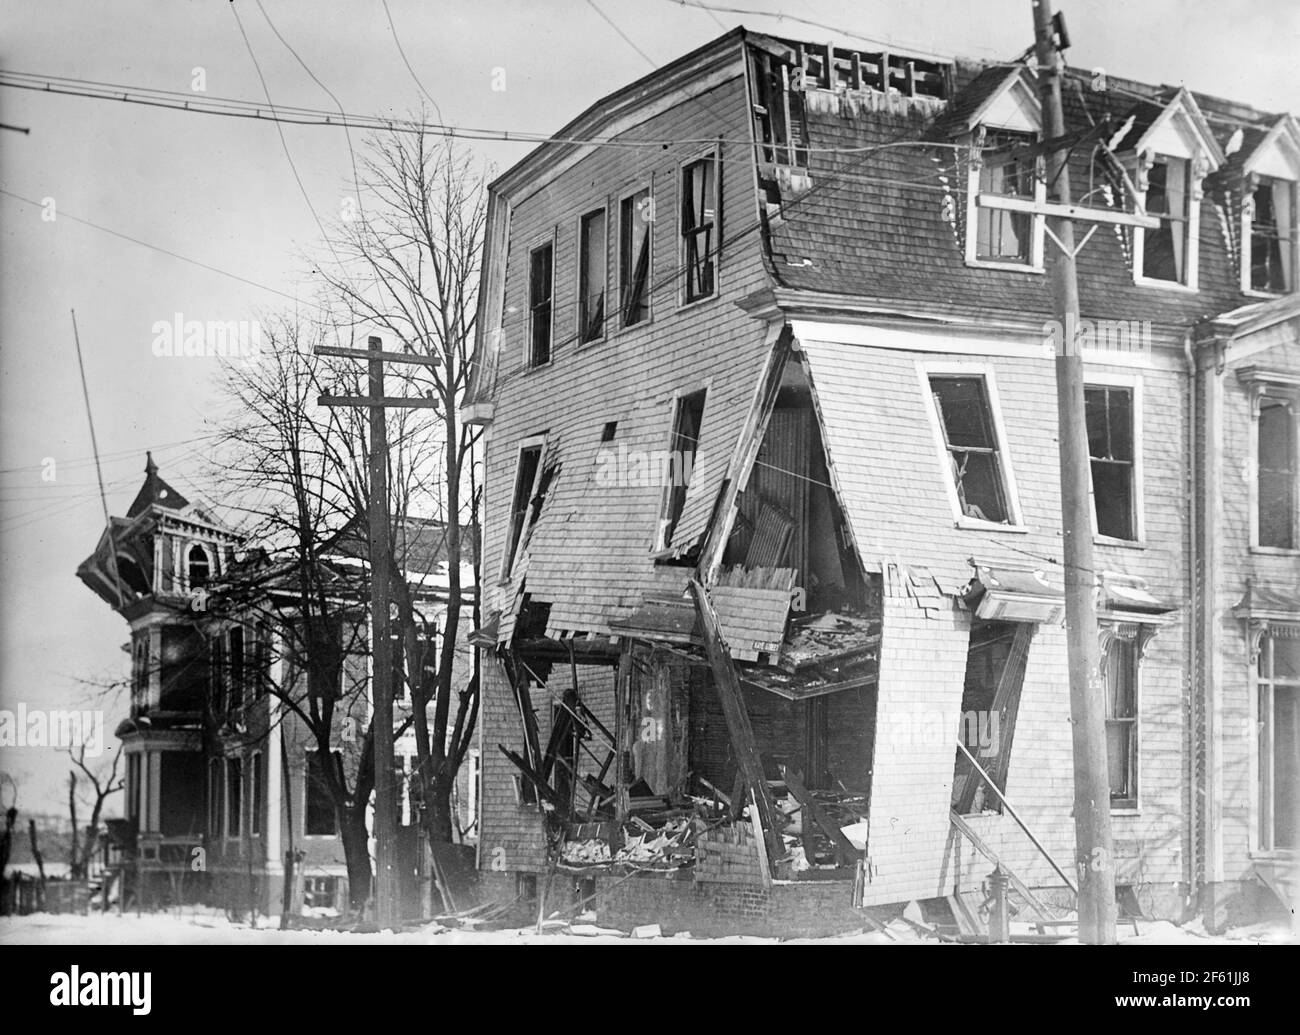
991	856
1016	816
739	729
812	811
763	866
1084	213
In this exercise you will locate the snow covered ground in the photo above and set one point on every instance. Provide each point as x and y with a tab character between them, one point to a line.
204	928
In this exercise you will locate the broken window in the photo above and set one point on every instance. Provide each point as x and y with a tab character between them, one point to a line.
635	219
1272	236
527	475
1278	679
1121	666
541	283
1003	236
234	797
995	673
591	276
1164	254
779	116
1109	413
970	439
688	416
1276	478
320	818
699	223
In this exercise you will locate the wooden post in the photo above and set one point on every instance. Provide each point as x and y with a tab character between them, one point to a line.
1094	851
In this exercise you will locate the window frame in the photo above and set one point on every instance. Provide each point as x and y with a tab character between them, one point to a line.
712	155
257	795
1192	223
1289	396
306	798
541	244
648	187
662	538
1129	643
511	557
579	239
1252	183
1133	383
216	798
234	804
1006	462
1038	221
208	556
1263	800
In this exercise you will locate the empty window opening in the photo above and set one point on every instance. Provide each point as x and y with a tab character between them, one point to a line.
608	432
1278	679
199	567
592	249
779	117
699	223
234	796
1109	413
527	477
541	285
995	672
214	798
1273	236
237	667
1003	236
688	416
526	889
1121	667
1276	479
970	439
257	797
1164	254
636	218
320	818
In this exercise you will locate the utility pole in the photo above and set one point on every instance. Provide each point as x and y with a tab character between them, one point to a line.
387	887
1094	855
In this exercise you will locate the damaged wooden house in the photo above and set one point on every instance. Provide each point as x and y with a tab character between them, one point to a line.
772	557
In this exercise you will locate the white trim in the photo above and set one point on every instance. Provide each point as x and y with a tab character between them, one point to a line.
1037	223
1006	464
657	544
647	185
1133	382
947	339
1288	396
544	241
1249	186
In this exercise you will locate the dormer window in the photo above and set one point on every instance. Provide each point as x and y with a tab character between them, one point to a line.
1270	236
1165	255
198	566
1002	235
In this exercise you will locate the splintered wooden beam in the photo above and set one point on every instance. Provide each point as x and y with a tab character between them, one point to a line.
544	791
737	718
387	357
812	811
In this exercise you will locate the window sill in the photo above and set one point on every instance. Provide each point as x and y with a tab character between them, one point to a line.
1125	810
534	367
631	328
696	303
1167	285
1123	544
1257	293
976	525
1274	551
1010	267
592	343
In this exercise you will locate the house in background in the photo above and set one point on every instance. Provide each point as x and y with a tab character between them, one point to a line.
790	341
223	776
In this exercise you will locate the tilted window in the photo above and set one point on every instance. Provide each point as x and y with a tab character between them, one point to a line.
688	417
1109	414
1165	250
779	118
591	276
522	513
1276	479
635	220
541	286
699	227
1272	237
970	439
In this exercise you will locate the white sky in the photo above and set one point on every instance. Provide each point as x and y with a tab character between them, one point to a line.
221	191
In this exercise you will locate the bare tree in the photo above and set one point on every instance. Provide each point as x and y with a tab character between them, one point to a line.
408	267
101	786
